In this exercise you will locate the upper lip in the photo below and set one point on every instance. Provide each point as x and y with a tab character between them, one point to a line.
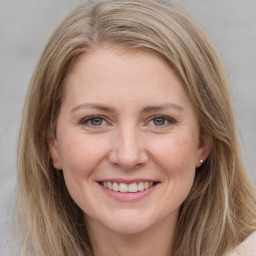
128	181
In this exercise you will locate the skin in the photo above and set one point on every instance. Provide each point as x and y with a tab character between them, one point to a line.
126	90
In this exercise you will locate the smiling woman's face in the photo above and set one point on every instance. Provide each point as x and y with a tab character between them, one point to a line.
128	140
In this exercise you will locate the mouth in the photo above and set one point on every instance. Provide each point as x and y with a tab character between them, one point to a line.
127	189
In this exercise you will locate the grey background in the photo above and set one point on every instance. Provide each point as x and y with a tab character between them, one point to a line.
25	27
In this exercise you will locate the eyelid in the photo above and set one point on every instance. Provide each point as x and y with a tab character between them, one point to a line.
84	120
167	118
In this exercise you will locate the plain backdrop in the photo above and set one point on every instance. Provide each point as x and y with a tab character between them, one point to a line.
25	27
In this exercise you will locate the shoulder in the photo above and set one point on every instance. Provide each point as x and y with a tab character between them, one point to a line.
246	248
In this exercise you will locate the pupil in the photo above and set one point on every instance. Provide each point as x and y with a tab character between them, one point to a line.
159	121
96	121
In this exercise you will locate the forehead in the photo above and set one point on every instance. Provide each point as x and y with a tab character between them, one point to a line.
119	61
118	72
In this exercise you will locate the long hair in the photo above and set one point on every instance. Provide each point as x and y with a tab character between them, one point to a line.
219	212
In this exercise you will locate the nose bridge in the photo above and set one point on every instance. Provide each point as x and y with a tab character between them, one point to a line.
128	149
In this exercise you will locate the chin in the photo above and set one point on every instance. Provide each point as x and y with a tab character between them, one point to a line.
129	228
131	222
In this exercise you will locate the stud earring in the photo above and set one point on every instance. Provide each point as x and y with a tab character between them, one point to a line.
201	161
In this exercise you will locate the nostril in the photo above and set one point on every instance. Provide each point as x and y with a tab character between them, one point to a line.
127	151
126	158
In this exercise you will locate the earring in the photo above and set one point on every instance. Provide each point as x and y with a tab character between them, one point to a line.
201	161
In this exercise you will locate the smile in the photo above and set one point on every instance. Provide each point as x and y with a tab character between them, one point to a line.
124	187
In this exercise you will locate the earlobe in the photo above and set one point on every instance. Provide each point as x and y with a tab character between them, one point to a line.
204	149
54	153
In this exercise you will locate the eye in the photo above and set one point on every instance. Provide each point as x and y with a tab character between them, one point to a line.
94	121
161	121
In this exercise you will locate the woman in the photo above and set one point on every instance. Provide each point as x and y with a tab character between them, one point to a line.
128	143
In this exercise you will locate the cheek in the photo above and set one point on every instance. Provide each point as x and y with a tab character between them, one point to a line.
180	159
177	158
80	155
176	155
80	158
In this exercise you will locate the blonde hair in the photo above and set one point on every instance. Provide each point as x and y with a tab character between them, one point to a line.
219	212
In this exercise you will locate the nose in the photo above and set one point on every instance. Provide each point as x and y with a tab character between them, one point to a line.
127	150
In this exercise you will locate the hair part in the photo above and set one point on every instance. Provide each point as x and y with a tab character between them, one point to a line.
219	212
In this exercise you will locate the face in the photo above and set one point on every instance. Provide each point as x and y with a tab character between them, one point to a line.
128	140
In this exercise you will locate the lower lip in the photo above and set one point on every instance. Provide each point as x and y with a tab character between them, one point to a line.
128	196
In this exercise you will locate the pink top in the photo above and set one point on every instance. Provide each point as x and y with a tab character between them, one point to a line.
246	248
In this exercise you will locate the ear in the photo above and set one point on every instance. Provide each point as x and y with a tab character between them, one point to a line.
204	149
54	152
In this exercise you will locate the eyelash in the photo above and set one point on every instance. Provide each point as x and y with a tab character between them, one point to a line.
168	120
85	121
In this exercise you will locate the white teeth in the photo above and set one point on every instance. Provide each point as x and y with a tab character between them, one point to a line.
132	187
115	187
123	187
110	185
141	186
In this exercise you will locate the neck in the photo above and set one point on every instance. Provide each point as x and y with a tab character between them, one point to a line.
156	240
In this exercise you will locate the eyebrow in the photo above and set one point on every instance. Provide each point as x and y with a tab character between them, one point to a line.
147	109
93	106
165	106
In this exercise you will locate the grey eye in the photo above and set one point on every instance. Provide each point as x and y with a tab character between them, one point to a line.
96	121
159	121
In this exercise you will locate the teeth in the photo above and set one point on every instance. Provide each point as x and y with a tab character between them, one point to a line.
110	185
132	187
115	187
141	186
123	187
